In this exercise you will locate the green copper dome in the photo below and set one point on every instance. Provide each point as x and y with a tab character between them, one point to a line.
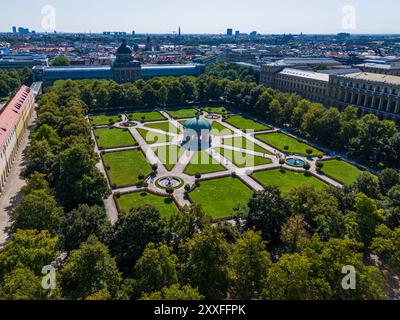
197	125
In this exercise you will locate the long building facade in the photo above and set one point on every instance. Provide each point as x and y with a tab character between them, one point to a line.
369	92
123	69
14	119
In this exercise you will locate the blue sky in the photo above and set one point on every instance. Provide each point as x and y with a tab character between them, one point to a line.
204	16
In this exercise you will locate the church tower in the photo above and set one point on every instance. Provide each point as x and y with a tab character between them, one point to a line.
125	68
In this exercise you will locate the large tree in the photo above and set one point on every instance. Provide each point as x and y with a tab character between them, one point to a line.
22	284
83	222
60	61
206	264
28	249
133	232
268	211
250	263
88	270
387	246
77	180
38	211
156	268
368	217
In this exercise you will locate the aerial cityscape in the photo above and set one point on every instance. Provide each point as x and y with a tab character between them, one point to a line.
244	160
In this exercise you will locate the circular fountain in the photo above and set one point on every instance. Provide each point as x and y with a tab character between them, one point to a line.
295	162
129	124
213	116
169	182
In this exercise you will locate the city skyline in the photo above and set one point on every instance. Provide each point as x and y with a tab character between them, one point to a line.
265	17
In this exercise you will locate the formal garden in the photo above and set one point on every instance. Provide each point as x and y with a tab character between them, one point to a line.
220	177
288	144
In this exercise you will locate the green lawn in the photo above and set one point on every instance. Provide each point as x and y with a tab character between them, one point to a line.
165	205
169	155
154	137
217	110
280	140
126	166
220	130
342	171
220	196
114	138
287	180
102	120
243	143
203	163
182	113
146	116
243	123
163	126
243	160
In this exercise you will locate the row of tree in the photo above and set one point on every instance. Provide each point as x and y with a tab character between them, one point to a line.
11	80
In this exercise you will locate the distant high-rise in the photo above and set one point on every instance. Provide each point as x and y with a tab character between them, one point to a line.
237	33
253	34
229	32
14	29
22	30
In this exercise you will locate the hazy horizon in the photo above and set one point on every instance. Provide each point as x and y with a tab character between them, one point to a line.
207	17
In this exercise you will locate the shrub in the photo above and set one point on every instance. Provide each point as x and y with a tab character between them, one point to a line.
197	175
154	167
141	176
114	186
309	151
320	155
108	167
319	165
234	175
170	191
307	166
286	148
281	161
117	195
187	187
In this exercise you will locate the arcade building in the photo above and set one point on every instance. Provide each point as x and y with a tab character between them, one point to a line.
123	69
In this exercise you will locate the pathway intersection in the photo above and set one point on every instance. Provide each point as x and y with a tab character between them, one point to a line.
244	174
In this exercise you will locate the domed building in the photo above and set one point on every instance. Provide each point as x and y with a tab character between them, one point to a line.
125	68
197	134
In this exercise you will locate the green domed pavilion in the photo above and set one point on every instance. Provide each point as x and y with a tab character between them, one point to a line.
197	133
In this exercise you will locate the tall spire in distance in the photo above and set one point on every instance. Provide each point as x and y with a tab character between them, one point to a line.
179	31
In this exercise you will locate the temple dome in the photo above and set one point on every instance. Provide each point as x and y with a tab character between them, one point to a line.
197	125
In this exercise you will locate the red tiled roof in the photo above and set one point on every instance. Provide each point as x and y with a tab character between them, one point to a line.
11	112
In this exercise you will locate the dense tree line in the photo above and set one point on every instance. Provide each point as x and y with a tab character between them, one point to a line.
282	247
11	80
231	71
